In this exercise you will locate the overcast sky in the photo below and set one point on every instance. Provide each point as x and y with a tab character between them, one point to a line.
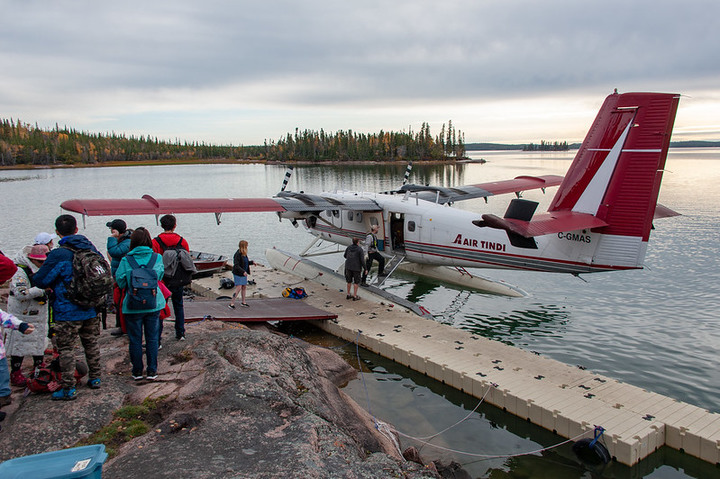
237	72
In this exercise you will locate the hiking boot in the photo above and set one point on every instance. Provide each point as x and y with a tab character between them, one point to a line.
137	377
94	383
151	375
64	394
5	400
17	379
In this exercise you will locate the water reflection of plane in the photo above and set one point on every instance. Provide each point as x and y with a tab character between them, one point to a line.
515	324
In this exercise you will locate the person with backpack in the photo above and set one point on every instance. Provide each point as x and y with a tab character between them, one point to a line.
179	268
79	278
371	248
29	304
354	266
139	274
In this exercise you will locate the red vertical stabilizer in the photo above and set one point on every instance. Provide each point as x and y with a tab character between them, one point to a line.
616	173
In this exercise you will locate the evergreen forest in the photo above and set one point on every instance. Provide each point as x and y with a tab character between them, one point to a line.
24	144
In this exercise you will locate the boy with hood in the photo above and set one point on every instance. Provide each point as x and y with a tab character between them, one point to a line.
71	320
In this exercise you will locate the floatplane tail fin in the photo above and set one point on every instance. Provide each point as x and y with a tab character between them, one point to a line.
613	183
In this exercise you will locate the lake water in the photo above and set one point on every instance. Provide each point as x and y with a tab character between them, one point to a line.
657	328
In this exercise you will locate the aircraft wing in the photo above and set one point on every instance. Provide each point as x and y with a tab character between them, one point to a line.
444	195
147	205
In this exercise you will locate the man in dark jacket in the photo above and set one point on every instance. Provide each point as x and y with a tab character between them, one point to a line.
354	265
71	320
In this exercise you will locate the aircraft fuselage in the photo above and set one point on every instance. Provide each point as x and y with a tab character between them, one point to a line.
439	235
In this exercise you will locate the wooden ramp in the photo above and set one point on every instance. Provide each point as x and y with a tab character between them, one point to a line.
266	309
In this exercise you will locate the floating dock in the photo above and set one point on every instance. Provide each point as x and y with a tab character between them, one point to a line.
564	399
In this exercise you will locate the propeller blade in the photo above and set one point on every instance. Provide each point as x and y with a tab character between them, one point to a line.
288	173
407	173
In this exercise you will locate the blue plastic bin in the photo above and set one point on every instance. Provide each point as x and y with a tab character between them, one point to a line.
72	463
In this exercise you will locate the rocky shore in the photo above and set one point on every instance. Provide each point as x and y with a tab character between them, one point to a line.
229	402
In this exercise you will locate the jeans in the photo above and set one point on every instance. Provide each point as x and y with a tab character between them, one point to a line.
136	323
4	378
178	311
381	264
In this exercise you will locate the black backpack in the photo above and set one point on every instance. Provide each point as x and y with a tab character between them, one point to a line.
91	279
176	253
142	285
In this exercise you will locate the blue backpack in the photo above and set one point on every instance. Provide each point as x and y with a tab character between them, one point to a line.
142	286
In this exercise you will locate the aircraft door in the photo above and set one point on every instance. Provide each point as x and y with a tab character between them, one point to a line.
411	232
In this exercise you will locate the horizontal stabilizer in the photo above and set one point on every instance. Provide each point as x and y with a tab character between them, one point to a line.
664	212
545	224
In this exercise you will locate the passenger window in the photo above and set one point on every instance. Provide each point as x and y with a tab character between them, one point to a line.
411	226
350	215
358	217
336	213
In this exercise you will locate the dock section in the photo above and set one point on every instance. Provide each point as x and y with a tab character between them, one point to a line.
564	399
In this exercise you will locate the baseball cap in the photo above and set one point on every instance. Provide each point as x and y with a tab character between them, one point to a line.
117	224
44	238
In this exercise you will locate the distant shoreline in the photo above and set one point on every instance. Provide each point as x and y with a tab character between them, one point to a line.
231	161
249	161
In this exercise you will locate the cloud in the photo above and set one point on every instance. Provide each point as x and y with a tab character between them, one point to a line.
274	66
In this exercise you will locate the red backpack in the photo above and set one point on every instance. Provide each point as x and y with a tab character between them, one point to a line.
47	377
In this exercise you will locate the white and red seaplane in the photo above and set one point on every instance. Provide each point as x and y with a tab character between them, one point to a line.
599	220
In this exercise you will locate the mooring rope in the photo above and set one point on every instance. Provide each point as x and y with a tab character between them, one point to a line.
482	457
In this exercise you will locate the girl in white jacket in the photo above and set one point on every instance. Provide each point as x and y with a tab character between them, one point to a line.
29	304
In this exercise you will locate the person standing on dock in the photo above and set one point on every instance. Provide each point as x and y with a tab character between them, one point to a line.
371	247
168	239
241	270
354	266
